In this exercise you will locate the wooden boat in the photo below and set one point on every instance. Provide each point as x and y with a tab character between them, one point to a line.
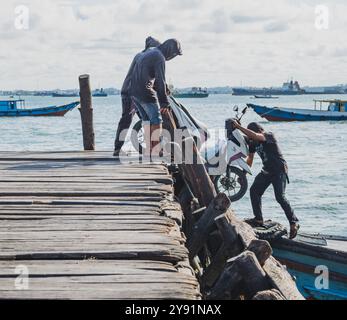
308	255
265	97
16	108
336	111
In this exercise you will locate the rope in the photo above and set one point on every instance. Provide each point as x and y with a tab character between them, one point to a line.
264	114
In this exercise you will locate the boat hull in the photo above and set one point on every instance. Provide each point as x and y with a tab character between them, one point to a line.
265	92
265	97
191	95
53	111
64	95
305	263
101	95
286	114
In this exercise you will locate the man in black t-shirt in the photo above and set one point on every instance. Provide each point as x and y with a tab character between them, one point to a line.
275	172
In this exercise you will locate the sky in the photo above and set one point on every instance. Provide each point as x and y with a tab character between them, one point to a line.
225	42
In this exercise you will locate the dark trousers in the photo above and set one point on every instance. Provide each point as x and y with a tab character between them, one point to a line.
279	183
124	122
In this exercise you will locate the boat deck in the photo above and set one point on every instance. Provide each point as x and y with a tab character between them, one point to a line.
84	226
337	245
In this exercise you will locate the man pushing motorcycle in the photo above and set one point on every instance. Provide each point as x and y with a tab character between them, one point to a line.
275	172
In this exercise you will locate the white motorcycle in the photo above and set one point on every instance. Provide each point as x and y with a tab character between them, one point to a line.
227	163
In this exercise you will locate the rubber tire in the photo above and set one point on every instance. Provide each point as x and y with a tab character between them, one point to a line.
276	231
134	136
244	183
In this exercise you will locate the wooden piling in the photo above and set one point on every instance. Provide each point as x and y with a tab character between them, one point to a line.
243	276
195	174
269	295
86	111
202	228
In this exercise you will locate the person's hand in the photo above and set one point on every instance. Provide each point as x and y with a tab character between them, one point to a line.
236	124
164	111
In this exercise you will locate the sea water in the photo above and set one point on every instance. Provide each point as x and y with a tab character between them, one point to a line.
316	152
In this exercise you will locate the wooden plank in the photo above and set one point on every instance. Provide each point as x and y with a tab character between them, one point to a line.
86	267
105	292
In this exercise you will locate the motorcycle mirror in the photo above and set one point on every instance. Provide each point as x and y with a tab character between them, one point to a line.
236	108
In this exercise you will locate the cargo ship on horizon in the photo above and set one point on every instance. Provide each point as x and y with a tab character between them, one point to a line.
288	88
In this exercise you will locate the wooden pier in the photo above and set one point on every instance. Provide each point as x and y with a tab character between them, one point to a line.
85	226
80	225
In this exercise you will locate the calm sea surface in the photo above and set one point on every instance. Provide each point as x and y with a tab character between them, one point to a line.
316	152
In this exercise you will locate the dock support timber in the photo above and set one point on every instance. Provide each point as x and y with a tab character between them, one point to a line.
86	111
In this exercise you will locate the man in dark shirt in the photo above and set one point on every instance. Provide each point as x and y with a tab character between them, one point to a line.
149	88
127	115
275	172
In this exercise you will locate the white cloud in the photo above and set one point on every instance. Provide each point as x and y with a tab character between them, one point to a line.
224	42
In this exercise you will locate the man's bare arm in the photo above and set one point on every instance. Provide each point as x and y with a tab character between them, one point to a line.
259	137
250	159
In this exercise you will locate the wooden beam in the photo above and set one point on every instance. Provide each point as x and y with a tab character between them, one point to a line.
86	111
243	276
261	249
204	226
194	173
269	295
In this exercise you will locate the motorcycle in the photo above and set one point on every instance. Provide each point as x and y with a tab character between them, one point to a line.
225	161
230	174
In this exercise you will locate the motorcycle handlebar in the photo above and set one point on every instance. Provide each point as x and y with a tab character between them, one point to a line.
229	125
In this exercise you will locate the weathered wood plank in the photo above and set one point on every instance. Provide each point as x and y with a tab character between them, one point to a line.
87	267
105	292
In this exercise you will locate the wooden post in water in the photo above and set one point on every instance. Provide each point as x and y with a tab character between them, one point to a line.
86	111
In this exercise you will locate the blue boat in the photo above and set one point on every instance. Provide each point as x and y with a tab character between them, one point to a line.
336	111
16	108
309	255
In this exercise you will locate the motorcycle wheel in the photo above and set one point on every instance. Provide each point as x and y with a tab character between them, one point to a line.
233	183
137	137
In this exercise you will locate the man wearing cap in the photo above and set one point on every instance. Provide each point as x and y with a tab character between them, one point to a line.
127	115
275	172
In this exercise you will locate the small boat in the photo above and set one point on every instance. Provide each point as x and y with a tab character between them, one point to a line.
308	256
336	111
194	93
16	108
100	93
265	97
